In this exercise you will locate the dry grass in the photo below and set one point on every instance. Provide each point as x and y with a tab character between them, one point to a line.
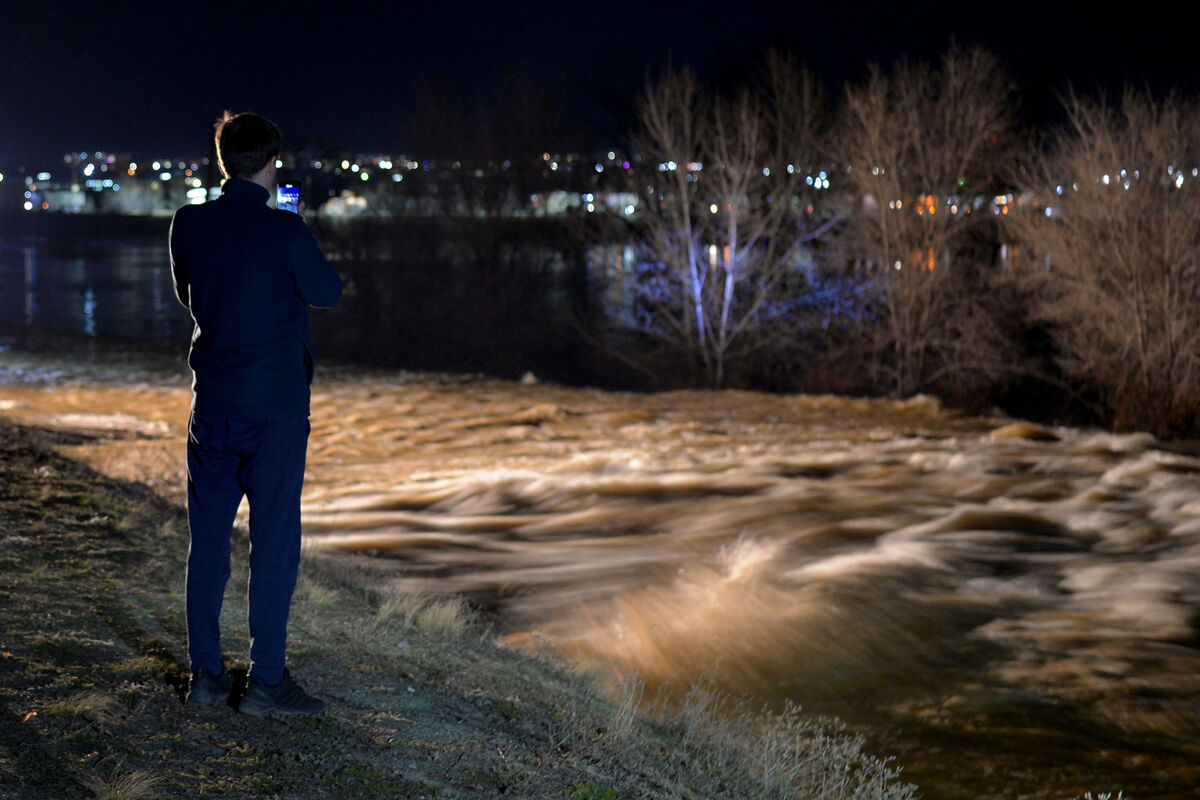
315	593
96	707
627	703
120	783
775	755
434	614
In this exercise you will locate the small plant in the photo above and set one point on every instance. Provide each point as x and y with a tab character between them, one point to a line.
780	754
316	593
590	791
627	703
120	784
1101	796
97	707
432	614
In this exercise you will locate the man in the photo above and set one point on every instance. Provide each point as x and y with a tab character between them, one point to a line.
247	273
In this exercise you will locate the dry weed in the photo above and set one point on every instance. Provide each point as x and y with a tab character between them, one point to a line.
121	784
778	754
627	703
443	615
96	707
316	594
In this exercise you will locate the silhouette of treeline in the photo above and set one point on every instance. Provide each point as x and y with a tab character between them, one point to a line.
911	235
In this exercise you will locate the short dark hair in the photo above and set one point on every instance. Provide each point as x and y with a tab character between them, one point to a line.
245	143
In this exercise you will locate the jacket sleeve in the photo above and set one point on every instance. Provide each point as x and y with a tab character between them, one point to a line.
179	272
317	281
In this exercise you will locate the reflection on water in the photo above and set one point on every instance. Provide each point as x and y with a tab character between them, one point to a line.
120	289
983	597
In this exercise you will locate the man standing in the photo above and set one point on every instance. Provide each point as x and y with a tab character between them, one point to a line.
247	273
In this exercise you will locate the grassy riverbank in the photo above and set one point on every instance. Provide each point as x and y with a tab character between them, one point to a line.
92	675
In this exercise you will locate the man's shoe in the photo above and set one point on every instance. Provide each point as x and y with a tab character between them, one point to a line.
206	689
285	697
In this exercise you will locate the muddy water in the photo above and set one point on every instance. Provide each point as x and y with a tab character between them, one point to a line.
1012	610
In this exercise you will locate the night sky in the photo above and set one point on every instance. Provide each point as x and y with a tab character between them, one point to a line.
149	78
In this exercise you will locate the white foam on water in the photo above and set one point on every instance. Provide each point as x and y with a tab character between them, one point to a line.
793	544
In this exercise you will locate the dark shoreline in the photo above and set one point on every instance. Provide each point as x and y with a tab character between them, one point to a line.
82	227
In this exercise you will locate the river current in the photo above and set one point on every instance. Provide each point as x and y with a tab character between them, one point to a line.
1012	610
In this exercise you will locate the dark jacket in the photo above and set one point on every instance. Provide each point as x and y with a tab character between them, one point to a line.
248	273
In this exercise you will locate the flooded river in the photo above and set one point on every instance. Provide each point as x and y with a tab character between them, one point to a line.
1011	610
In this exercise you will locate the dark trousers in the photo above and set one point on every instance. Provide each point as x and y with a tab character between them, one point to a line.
262	460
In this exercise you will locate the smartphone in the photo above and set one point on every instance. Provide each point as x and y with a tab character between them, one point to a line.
287	197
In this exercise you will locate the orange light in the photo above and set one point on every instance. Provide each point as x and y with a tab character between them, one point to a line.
45	206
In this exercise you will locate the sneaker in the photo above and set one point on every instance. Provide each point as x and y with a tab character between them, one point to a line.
285	697
206	689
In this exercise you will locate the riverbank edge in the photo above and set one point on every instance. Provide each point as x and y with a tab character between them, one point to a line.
422	704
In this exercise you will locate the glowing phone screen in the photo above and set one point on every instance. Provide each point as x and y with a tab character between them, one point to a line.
287	197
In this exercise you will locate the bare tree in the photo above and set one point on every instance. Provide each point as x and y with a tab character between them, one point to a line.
925	149
1117	230
726	211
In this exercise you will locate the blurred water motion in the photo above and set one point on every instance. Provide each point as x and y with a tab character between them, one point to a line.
861	557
